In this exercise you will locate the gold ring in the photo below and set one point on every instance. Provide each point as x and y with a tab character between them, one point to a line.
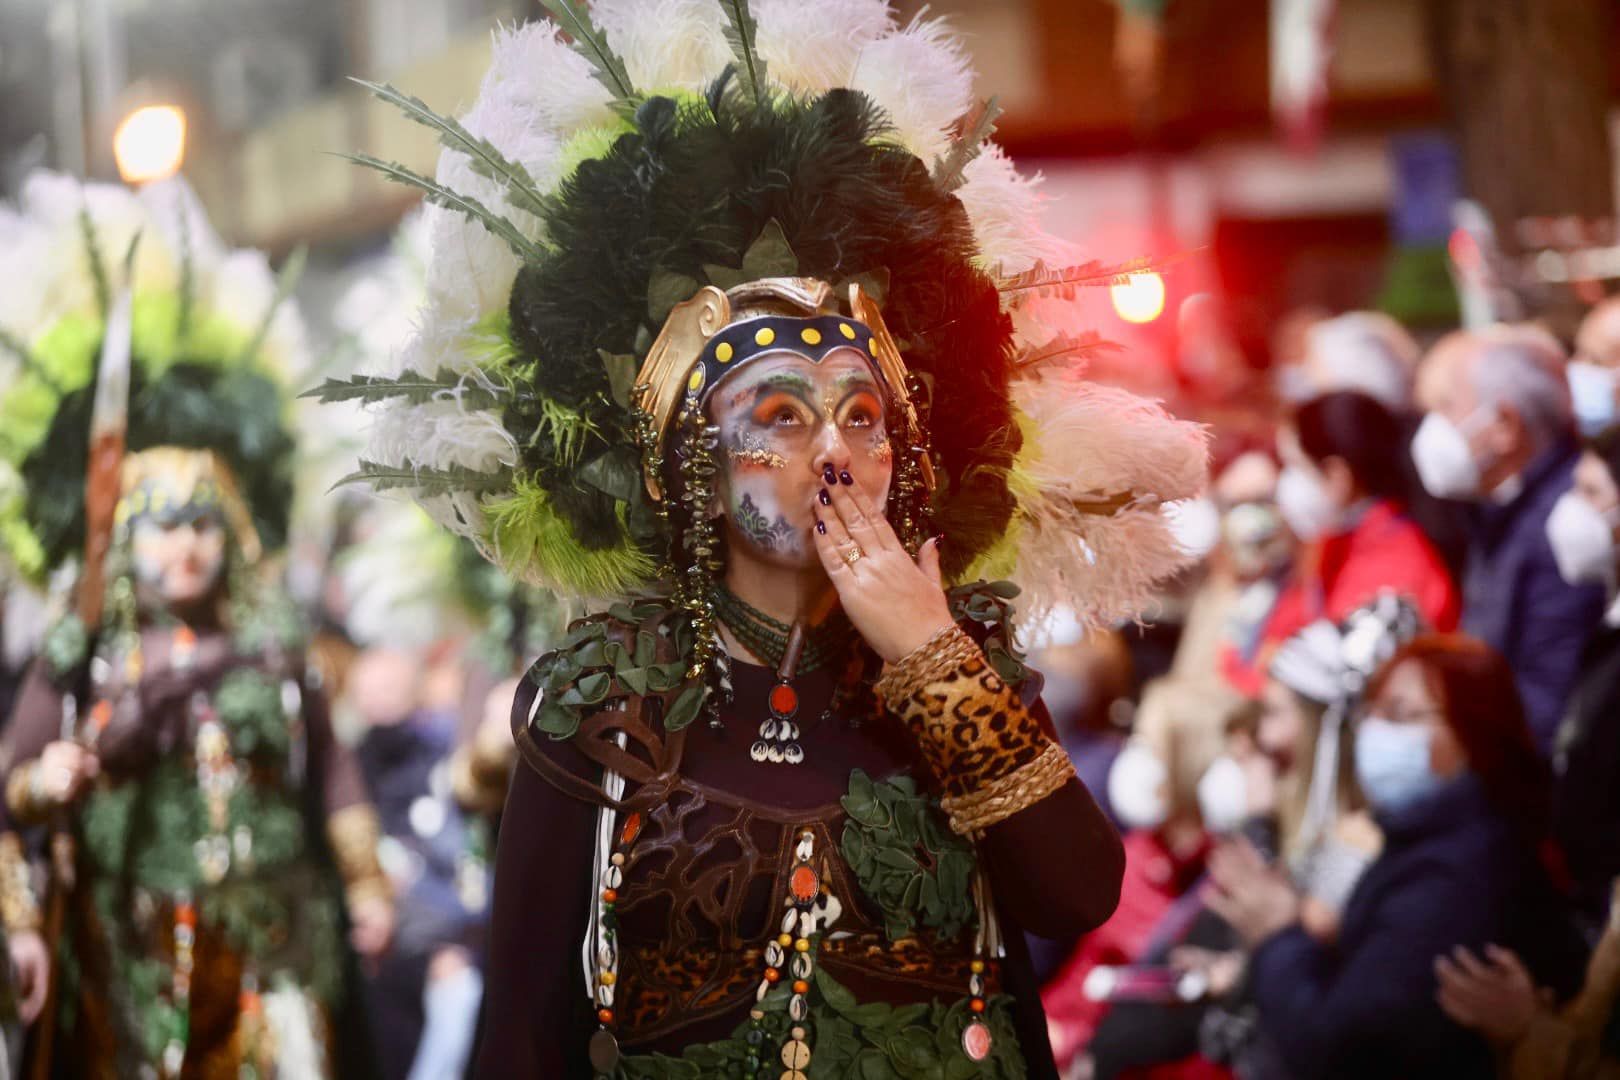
852	554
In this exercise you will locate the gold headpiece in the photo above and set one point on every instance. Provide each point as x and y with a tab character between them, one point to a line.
716	332
173	477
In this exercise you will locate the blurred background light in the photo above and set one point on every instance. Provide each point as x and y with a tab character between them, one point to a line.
150	143
1140	299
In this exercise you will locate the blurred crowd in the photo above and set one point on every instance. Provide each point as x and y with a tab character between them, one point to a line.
1367	764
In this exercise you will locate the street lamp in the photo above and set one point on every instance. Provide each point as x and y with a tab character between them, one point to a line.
150	143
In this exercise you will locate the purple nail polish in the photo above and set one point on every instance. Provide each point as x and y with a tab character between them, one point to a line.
844	477
821	526
828	474
826	500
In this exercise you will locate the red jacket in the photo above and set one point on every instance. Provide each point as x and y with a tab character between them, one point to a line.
1384	550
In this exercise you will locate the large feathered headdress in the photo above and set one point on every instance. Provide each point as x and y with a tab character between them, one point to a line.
683	145
213	351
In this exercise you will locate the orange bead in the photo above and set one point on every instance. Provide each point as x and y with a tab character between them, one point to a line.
977	1005
772	975
605	1015
609	896
801	987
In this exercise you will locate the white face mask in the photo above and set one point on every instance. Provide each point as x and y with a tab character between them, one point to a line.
1305	503
1223	795
1582	539
1444	460
1592	389
1138	786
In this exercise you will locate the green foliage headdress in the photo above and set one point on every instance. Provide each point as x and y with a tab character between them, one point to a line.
593	187
212	349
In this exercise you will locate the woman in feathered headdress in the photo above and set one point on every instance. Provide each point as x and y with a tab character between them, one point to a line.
168	733
725	343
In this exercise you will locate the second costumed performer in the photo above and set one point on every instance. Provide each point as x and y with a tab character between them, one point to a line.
719	356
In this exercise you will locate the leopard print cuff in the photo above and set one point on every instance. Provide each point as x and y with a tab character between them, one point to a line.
354	832
977	737
19	909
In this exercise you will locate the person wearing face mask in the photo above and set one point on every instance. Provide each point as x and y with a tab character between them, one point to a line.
1594	370
1444	758
1582	530
1499	432
1343	492
1156	787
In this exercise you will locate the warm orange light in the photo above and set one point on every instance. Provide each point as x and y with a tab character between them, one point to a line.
1140	298
150	143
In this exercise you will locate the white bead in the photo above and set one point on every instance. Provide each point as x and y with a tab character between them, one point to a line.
798	1008
759	751
806	848
606	957
801	965
807	925
788	920
773	955
794	754
976	985
789	730
614	877
774	755
767	730
764	988
604	996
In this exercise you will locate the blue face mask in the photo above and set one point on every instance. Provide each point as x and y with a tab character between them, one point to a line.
1591	392
1392	763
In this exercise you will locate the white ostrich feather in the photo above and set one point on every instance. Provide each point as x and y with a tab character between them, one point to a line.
921	77
241	288
442	434
532	67
666	44
397	578
1005	206
813	47
1085	442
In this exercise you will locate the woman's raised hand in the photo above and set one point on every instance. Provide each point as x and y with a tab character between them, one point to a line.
895	602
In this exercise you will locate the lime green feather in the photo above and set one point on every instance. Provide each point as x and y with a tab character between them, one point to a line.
529	537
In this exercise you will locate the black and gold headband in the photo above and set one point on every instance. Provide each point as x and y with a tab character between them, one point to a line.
700	344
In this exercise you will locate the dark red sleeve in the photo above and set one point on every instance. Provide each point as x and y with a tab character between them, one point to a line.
537	1017
1056	867
36	721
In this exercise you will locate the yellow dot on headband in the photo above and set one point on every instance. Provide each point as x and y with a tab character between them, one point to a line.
810	335
764	336
847	330
695	383
723	352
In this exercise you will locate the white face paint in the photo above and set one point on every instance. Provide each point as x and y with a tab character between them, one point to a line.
178	563
782	419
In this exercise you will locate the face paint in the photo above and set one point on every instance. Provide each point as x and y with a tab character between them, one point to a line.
780	417
177	561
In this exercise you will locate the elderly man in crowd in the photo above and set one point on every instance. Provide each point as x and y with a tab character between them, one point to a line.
1499	431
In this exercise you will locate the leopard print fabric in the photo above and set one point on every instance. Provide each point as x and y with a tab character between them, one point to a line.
972	728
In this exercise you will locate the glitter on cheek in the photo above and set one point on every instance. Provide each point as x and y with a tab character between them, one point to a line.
756	455
881	449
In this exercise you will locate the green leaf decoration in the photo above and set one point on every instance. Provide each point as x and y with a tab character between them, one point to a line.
286	281
98	268
414	388
665	290
486	160
591	43
249	707
977	128
770	255
740	35
427	480
899	849
557	721
621	371
439	195
65	647
616	472
686	707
